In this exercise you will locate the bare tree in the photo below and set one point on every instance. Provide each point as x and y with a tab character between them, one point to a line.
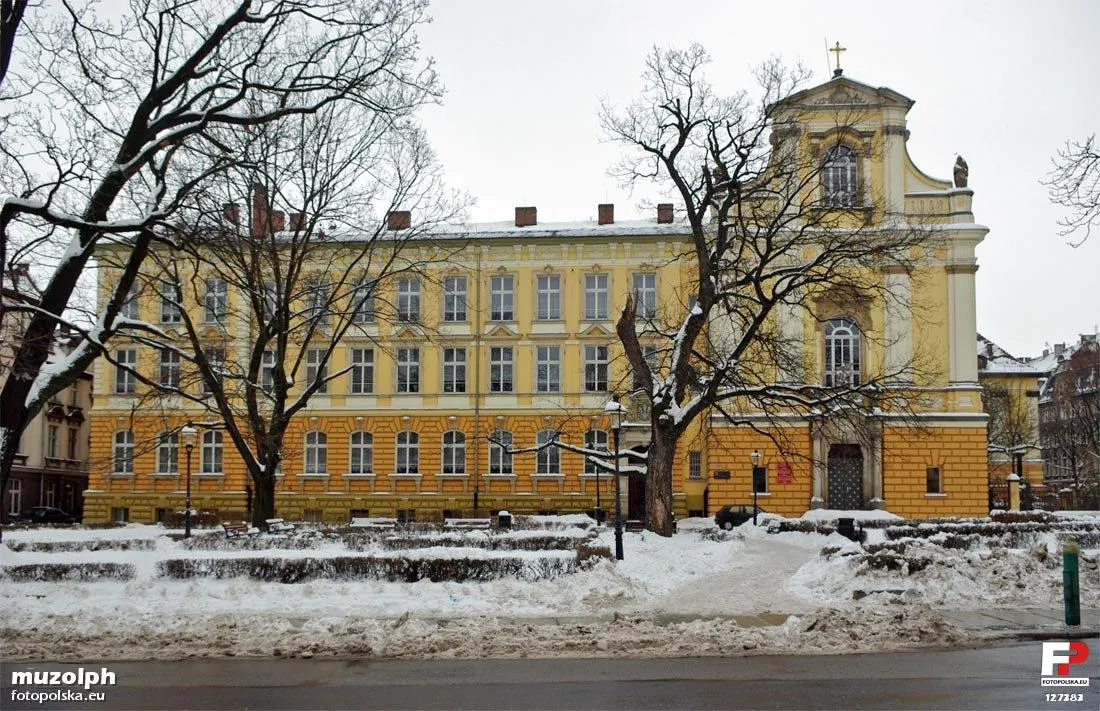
1012	430
1070	429
762	238
120	122
1074	183
11	15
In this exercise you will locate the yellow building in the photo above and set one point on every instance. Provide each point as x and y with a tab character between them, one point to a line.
514	335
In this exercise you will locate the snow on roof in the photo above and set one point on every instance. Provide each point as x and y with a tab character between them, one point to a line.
994	360
507	230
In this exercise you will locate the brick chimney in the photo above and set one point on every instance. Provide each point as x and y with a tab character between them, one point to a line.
606	213
232	211
259	210
526	216
398	220
278	220
1059	349
664	213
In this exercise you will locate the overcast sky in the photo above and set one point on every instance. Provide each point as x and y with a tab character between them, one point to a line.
1002	83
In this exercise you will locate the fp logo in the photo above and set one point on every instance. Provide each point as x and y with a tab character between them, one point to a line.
1057	656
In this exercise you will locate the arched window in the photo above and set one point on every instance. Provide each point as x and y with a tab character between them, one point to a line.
362	453
124	452
408	452
500	459
549	459
316	453
212	452
594	439
839	177
454	452
168	453
842	353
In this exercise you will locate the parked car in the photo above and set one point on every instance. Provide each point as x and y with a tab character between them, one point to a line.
734	515
44	514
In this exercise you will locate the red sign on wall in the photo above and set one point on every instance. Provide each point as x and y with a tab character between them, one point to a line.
784	475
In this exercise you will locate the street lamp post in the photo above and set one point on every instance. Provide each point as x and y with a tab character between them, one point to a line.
615	409
599	509
188	432
755	457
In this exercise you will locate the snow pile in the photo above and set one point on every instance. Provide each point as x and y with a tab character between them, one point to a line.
831	515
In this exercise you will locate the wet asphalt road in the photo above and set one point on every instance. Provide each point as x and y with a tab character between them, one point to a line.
993	678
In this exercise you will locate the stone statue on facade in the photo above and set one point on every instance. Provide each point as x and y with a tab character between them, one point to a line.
962	172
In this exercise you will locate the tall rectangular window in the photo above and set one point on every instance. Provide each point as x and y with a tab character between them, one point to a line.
168	453
695	465
363	302
548	306
74	442
169	303
215	357
216	300
408	300
934	480
131	307
408	370
51	441
169	371
595	296
645	292
317	302
126	359
760	479
15	497
548	373
454	298
267	371
595	369
362	371
315	372
454	370
502	298
500	369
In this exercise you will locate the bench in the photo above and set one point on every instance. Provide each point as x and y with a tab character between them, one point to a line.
236	530
359	522
635	526
468	524
278	525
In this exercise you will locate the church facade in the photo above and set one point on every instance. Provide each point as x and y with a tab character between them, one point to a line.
512	340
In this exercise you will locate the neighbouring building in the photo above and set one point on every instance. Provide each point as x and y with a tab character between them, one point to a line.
1069	422
1010	392
51	464
514	337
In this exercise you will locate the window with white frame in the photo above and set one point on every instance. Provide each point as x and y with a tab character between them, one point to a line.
548	462
362	453
363	305
502	298
840	177
211	452
408	370
500	455
548	369
408	299
548	297
760	479
316	453
168	453
408	452
124	452
170	303
168	374
52	433
595	440
362	371
15	497
267	371
500	369
842	353
645	294
215	358
933	480
454	452
595	369
126	360
51	493
595	296
454	370
215	300
131	307
269	301
649	355
454	298
695	465
317	301
315	371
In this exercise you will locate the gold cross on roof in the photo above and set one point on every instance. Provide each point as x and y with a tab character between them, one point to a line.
837	49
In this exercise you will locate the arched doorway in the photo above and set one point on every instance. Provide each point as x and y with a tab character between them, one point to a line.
845	477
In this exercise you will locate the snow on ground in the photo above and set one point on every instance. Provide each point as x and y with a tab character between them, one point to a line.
610	609
834	514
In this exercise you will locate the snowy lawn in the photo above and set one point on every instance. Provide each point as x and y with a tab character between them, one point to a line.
609	609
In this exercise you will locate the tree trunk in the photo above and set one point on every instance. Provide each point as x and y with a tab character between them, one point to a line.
15	421
658	494
263	498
